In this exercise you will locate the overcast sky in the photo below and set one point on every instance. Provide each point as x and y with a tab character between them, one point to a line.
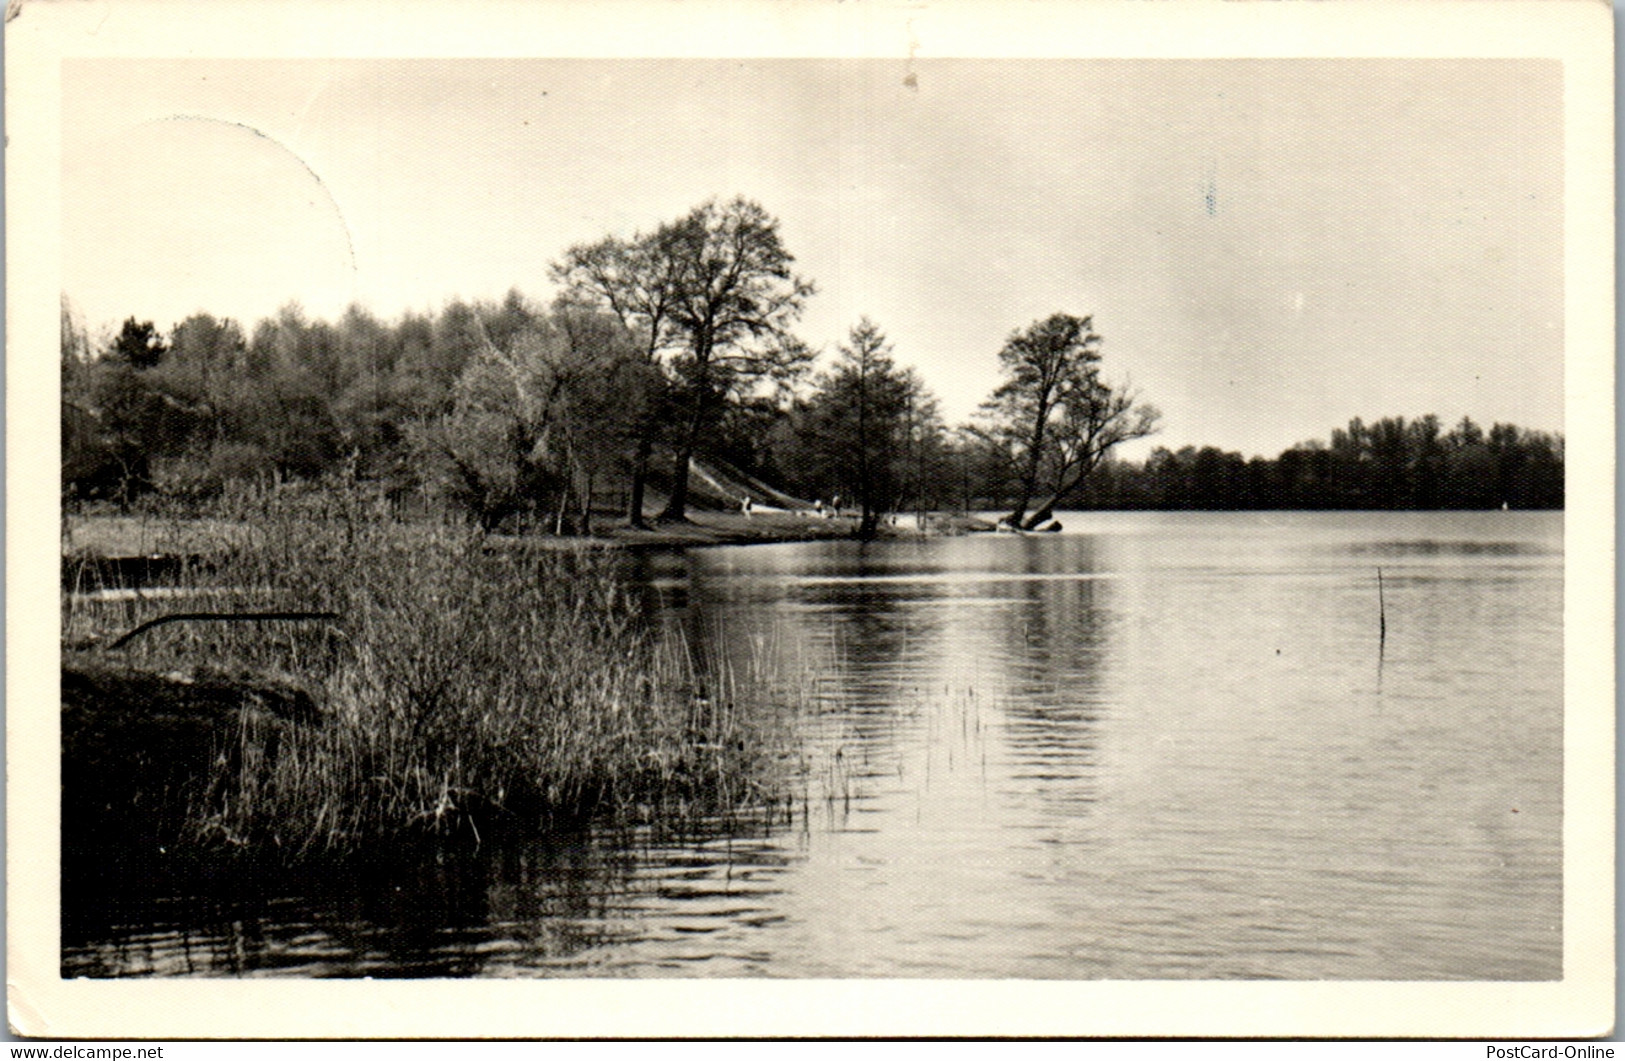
1269	247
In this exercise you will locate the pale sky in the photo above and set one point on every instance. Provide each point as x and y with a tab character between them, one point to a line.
1269	247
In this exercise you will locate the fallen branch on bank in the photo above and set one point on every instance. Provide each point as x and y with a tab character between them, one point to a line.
220	617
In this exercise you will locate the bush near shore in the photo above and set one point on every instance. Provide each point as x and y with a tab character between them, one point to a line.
460	686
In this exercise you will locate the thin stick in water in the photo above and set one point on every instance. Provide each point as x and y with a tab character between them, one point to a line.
1382	611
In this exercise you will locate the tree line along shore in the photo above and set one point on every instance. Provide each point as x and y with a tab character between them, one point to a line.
665	376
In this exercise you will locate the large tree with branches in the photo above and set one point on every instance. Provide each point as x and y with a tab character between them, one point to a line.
712	297
1055	416
630	279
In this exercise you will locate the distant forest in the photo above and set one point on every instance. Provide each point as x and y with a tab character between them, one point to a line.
675	349
1392	463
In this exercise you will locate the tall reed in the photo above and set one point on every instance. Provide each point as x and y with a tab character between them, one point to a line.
462	687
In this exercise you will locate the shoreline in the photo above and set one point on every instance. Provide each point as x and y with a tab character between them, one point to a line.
116	540
770	527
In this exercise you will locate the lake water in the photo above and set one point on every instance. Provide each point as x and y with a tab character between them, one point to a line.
1154	746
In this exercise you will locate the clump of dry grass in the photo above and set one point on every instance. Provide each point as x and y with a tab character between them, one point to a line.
460	687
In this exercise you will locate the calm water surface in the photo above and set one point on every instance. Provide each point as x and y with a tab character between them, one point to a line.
1154	746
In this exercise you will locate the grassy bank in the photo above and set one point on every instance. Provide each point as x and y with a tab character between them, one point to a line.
235	526
458	687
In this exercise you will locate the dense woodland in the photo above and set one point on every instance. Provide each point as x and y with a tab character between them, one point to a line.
1392	463
668	363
